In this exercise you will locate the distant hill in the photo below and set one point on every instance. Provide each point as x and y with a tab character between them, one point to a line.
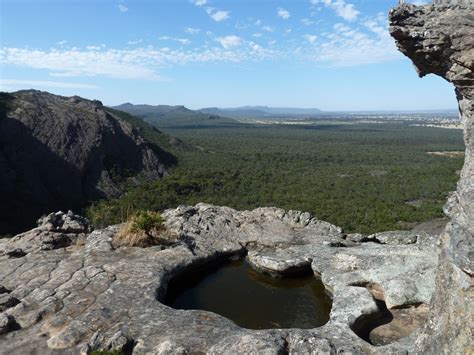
174	116
64	152
261	111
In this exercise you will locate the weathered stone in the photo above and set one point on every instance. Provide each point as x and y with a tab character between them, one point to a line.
91	296
61	152
439	39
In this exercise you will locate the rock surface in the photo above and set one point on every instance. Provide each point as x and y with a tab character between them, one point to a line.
60	152
84	294
439	39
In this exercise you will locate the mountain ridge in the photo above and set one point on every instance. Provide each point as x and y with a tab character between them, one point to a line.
61	152
174	116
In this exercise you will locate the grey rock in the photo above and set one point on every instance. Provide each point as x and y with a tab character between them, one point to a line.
61	152
439	39
91	296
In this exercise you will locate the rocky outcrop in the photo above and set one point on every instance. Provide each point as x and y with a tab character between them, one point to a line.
84	295
439	39
60	152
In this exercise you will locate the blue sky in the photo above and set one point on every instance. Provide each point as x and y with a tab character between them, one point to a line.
330	54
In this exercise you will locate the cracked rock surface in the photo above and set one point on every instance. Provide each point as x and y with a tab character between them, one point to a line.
86	295
439	39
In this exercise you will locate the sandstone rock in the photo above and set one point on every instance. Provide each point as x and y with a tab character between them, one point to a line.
91	296
60	152
439	39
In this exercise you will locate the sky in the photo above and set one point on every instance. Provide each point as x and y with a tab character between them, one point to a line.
328	54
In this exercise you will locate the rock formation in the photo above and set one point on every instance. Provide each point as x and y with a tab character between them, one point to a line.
70	290
59	152
66	289
439	38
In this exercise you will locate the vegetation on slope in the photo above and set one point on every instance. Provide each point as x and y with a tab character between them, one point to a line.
364	177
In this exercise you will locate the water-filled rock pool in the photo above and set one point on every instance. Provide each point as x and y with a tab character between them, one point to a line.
251	299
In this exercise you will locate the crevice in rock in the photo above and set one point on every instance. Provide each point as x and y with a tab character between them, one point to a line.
386	326
337	245
127	349
4	290
8	324
16	253
370	240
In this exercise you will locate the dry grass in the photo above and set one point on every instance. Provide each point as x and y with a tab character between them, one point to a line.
144	229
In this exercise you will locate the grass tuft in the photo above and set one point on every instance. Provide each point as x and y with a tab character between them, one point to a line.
144	229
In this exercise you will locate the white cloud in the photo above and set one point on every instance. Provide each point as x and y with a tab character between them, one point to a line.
93	48
43	84
199	2
350	46
138	41
219	15
192	31
267	29
61	43
184	41
136	63
311	38
345	10
284	14
306	22
229	41
122	8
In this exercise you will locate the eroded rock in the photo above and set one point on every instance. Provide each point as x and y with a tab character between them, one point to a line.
94	296
439	39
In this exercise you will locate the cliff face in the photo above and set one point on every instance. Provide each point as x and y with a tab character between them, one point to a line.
59	152
439	39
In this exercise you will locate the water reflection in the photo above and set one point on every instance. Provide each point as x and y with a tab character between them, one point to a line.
251	299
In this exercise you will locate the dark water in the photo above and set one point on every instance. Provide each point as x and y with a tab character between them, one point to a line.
253	300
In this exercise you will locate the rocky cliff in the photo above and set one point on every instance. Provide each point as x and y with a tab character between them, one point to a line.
65	289
439	39
60	152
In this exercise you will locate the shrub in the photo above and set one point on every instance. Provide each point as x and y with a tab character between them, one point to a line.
146	221
144	229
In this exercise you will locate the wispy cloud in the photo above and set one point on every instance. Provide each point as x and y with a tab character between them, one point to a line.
5	83
138	41
229	41
267	29
199	2
122	8
311	38
348	46
137	63
218	15
284	14
192	31
307	22
184	41
345	10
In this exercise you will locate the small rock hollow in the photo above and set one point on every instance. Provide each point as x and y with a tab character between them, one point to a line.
386	326
251	299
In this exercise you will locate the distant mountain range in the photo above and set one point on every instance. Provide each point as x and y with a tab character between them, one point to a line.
175	116
260	111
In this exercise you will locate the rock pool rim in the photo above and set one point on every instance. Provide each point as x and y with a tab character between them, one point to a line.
303	281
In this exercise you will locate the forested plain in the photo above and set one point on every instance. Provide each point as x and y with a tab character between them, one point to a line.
362	177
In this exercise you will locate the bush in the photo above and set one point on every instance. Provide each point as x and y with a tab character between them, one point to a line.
146	221
144	229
